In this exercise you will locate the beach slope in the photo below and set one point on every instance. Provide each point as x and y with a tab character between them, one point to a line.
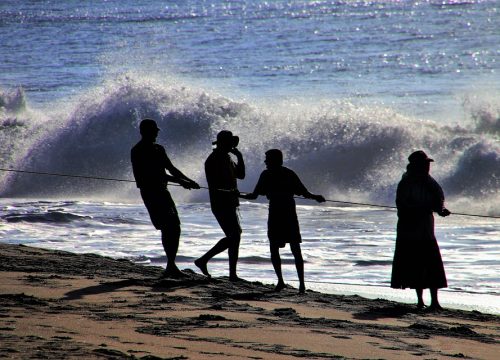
59	305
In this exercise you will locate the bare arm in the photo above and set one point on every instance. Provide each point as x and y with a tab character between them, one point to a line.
318	198
240	165
302	190
178	177
248	196
258	190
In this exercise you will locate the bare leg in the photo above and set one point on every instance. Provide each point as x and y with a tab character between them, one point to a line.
276	260
434	300
233	252
230	243
299	265
222	245
229	222
420	298
170	241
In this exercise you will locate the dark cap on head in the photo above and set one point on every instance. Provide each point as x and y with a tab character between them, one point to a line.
148	124
419	157
227	137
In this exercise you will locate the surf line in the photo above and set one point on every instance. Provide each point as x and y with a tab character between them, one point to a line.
204	187
450	290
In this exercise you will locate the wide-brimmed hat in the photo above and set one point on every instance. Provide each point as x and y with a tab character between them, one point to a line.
419	157
226	136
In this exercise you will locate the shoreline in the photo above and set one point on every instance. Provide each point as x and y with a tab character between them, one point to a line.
450	299
63	305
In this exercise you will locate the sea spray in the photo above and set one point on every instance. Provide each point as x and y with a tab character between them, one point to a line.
340	148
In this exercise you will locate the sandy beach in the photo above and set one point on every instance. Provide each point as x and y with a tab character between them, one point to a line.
59	305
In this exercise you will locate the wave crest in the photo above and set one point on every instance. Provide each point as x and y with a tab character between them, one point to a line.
338	148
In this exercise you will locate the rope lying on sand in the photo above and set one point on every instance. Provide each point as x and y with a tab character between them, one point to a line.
204	187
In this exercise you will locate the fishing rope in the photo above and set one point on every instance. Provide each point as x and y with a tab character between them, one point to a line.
395	208
204	187
79	176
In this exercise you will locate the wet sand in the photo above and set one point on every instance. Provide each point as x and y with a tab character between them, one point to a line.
59	305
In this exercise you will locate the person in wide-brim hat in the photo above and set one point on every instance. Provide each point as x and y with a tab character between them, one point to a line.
222	174
226	138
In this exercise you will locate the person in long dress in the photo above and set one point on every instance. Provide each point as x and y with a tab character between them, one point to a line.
279	184
417	260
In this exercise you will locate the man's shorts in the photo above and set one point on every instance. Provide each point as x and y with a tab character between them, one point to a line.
228	220
161	208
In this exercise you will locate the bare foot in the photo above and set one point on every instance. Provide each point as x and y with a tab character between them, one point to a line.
434	308
174	273
235	278
279	286
202	266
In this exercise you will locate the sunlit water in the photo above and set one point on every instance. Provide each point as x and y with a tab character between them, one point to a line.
346	89
347	249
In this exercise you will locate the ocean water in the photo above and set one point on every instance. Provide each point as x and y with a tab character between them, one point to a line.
347	89
347	250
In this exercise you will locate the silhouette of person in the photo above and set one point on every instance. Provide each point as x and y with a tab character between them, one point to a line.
279	184
417	260
222	174
149	162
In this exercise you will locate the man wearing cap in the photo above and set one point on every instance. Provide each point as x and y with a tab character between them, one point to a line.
222	174
149	162
417	260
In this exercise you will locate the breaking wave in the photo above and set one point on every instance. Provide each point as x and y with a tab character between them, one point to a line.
339	148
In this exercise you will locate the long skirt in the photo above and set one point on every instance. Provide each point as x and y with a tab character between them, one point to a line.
417	260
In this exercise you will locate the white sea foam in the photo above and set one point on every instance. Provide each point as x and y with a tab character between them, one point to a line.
346	250
346	88
342	149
